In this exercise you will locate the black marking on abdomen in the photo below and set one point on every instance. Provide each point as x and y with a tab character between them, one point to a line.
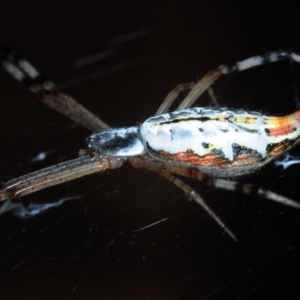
201	119
238	150
278	148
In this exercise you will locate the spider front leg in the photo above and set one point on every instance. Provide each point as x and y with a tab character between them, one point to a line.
57	174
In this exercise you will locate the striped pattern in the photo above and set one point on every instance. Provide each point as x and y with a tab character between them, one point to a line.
259	60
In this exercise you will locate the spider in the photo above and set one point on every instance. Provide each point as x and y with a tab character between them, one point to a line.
206	144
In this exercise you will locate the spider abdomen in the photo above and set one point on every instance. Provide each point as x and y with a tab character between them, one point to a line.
219	141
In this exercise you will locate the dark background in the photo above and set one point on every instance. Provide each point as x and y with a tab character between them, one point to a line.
101	244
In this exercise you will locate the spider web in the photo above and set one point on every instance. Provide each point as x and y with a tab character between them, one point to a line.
128	233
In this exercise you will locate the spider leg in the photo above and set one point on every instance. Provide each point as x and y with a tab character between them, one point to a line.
57	174
213	97
173	94
166	172
199	89
46	91
231	185
243	65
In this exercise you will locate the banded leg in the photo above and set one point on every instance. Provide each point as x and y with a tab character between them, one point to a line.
231	185
243	65
188	190
46	91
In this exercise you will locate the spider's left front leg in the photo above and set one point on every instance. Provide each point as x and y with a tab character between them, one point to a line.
147	163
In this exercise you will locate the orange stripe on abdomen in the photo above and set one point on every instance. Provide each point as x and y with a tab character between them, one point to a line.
211	160
280	125
193	159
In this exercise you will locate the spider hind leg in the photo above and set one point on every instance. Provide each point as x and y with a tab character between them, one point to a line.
231	185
